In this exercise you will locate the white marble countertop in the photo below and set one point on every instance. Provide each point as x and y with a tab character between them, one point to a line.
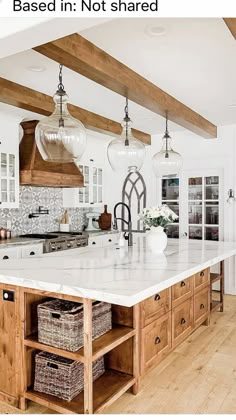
18	241
122	276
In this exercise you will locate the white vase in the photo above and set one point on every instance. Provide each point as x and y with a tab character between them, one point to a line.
156	239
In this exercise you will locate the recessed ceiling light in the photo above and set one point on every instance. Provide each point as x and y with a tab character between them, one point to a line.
36	69
155	30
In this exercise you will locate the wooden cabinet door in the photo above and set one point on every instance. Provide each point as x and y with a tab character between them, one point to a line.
202	279
201	306
182	321
182	291
155	306
155	342
9	345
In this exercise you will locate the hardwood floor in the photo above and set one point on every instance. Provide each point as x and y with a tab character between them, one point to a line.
198	377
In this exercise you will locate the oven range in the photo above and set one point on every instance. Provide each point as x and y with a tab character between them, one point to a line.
60	241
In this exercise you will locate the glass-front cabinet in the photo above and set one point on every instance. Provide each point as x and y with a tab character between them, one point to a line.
91	195
170	197
203	208
9	180
197	198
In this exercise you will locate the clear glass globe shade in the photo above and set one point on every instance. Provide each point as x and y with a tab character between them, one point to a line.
60	137
126	158
167	162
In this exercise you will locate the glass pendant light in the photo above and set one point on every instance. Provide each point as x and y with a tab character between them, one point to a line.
60	137
126	154
167	162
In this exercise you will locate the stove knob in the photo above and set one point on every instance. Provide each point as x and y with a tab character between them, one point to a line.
53	248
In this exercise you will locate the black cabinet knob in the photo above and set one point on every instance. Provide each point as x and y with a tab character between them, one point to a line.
5	257
182	322
157	340
93	243
182	284
109	240
157	297
202	274
32	253
202	306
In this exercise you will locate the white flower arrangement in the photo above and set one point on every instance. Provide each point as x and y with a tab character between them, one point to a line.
157	216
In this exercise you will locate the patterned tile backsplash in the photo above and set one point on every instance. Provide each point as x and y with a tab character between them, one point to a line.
30	199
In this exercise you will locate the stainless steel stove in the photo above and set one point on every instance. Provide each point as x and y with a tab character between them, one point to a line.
60	241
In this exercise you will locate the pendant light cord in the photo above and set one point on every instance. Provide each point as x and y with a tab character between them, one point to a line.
127	119
167	136
61	92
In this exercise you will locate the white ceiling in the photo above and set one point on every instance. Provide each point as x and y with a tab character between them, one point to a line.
194	61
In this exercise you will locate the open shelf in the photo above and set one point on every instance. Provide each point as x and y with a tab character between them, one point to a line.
215	305
215	277
106	389
101	345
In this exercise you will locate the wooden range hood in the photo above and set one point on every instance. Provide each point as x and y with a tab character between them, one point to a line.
36	171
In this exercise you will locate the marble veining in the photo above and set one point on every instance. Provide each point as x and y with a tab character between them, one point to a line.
123	276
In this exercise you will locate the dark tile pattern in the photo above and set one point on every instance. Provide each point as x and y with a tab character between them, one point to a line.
30	199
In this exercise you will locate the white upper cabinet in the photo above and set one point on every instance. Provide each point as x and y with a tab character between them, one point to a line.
92	167
9	163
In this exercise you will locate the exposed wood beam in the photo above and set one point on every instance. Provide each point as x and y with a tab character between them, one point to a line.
231	23
82	56
25	98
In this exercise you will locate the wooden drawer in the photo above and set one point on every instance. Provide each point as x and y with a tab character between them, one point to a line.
182	291
182	321
155	342
155	306
201	306
202	279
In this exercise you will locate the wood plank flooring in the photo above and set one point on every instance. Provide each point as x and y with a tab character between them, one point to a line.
198	377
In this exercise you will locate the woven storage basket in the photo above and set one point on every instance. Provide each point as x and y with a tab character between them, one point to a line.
61	377
60	323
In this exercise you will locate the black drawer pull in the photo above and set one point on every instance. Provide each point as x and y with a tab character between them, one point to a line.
157	297
52	365
202	306
202	274
182	322
182	284
157	340
32	253
57	316
5	257
109	240
93	243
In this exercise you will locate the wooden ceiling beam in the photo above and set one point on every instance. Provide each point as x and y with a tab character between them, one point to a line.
231	23
82	56
23	97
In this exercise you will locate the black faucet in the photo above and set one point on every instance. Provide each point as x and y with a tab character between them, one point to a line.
41	210
129	237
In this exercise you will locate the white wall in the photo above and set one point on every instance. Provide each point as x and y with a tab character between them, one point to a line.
198	153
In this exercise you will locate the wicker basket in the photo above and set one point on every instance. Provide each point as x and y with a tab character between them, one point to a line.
61	377
60	323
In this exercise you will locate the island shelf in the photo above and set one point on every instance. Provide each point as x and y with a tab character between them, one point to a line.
119	346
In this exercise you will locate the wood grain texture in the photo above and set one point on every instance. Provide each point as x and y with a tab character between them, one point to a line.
12	93
9	345
182	321
85	58
155	342
196	378
202	279
231	23
155	306
182	291
201	306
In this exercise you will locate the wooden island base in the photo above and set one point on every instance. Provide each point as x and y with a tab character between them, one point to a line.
141	337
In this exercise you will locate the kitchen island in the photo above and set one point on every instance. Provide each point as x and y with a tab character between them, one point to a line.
157	301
